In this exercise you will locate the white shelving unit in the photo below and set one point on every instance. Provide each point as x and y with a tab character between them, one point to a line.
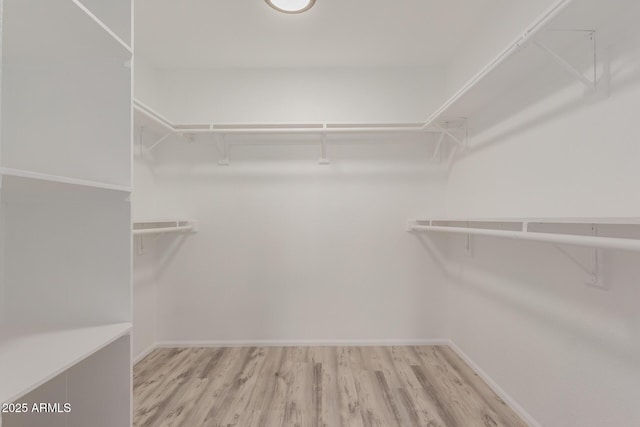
154	128
566	231
569	35
65	235
146	116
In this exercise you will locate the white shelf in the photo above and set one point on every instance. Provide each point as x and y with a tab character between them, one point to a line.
570	22
9	172
547	220
149	118
534	230
29	360
141	228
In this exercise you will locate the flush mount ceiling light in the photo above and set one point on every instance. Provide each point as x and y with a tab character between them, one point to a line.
291	6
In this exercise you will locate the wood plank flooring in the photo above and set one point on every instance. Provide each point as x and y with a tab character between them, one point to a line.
313	386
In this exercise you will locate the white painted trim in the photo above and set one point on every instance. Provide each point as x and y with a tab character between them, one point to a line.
302	343
145	353
513	404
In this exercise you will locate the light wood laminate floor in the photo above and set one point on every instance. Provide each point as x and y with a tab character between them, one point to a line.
308	386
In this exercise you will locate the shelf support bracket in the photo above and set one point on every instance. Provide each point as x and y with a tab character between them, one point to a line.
223	144
468	247
436	152
140	245
595	269
155	144
324	160
461	142
158	141
569	68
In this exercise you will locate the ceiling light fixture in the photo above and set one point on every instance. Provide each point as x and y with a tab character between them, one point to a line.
291	6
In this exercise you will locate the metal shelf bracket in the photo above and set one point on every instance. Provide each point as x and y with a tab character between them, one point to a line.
437	157
595	266
159	141
591	82
223	147
324	160
457	131
594	270
155	143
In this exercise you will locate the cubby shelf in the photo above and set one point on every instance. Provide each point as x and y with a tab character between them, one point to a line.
28	359
9	172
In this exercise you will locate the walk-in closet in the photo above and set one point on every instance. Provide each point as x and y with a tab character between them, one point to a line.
319	213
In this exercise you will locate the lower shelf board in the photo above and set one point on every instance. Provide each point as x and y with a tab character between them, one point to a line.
29	359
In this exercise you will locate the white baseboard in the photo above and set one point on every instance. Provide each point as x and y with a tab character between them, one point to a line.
144	354
513	404
302	343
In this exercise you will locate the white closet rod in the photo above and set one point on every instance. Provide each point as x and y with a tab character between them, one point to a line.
162	230
568	239
282	128
315	131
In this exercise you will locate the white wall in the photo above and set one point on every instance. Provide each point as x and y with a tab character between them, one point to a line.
566	352
287	250
301	95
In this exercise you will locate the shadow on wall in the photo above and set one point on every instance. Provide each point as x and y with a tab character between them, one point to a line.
380	153
619	70
549	291
167	250
433	246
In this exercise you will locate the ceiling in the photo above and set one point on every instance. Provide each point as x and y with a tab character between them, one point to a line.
334	33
